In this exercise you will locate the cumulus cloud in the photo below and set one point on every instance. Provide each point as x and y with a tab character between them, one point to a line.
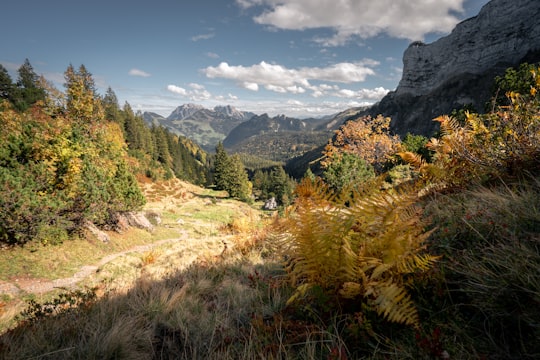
280	79
364	94
250	86
177	90
197	93
407	19
138	72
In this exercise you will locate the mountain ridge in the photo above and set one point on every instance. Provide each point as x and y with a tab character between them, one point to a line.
235	127
458	70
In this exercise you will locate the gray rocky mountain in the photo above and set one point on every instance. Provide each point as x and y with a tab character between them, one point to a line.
205	126
459	69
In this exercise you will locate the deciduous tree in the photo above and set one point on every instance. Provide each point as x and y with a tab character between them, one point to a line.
368	138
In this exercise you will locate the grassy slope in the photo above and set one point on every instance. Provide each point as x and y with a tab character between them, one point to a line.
198	299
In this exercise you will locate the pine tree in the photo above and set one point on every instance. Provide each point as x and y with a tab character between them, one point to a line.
29	91
239	186
161	142
280	185
83	103
230	174
112	108
347	170
222	168
6	84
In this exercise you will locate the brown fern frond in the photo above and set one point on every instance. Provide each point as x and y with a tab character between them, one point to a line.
394	303
449	125
416	262
413	159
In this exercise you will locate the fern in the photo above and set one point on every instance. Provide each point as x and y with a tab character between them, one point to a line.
359	247
394	303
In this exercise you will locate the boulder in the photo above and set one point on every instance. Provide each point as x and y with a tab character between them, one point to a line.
100	235
270	204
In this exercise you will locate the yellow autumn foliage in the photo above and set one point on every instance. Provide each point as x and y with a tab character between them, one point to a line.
361	247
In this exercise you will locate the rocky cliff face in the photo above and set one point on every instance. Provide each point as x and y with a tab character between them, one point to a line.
458	69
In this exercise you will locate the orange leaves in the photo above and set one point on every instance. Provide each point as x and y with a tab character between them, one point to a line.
367	138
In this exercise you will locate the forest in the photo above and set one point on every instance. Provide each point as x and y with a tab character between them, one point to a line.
391	248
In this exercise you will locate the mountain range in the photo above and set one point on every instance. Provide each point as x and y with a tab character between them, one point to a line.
455	71
277	138
205	126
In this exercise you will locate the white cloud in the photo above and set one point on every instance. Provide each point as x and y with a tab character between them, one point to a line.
250	86
364	94
202	37
196	86
198	92
212	55
138	72
177	90
407	19
280	79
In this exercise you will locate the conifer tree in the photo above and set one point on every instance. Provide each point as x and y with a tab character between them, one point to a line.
6	84
230	174
112	108
83	103
222	168
29	91
347	170
280	185
239	187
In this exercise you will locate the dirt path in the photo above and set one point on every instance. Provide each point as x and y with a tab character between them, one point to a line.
39	286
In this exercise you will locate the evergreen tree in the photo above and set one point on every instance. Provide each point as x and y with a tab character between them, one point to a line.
346	170
29	91
230	174
222	168
161	143
309	174
239	187
83	103
6	84
112	108
280	185
261	182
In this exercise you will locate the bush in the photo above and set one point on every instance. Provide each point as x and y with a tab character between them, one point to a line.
55	174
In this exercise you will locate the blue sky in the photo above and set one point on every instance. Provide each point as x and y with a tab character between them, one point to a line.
296	57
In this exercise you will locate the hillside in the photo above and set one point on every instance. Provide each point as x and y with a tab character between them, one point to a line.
204	126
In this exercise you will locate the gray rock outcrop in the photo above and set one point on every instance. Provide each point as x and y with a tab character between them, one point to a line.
459	68
270	204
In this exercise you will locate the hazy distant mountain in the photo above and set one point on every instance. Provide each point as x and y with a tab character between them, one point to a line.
333	122
153	118
184	111
205	126
280	138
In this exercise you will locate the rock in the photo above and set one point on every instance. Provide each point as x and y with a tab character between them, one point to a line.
270	204
100	235
138	220
504	31
459	69
154	217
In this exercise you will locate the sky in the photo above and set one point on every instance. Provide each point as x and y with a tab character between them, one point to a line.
300	58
